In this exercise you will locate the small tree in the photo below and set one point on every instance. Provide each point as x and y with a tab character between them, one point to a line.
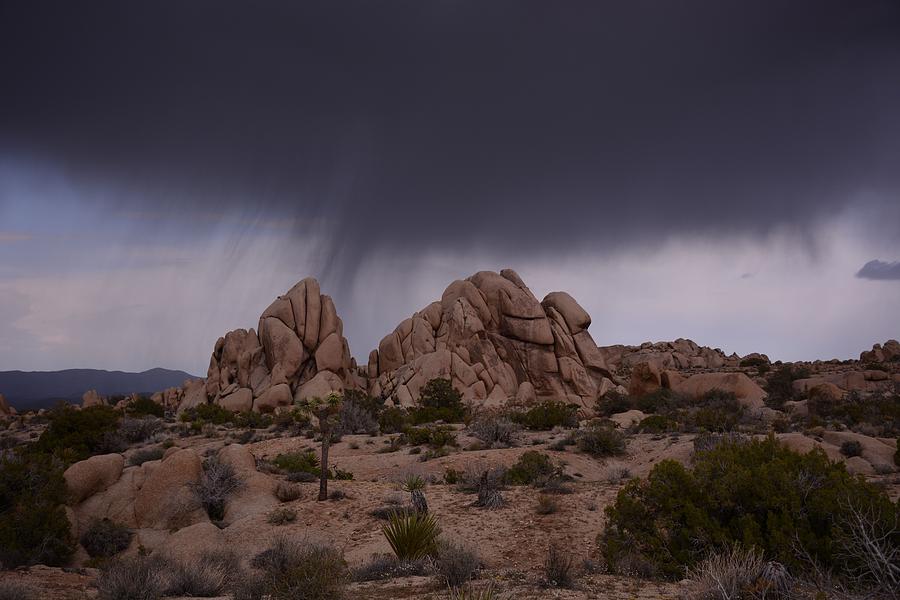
327	410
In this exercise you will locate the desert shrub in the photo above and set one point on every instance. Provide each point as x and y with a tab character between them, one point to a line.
546	505
393	420
204	576
292	570
77	434
359	413
439	401
662	401
655	424
494	430
33	525
736	574
287	492
249	419
302	477
412	536
388	566
601	441
436	436
559	568
143	455
143	406
455	564
217	483
282	515
137	430
298	462
877	411
710	441
755	361
756	493
470	592
452	476
412	483
133	578
340	474
104	538
612	403
851	448
488	485
548	414
384	512
716	410
780	385
12	590
533	467
208	413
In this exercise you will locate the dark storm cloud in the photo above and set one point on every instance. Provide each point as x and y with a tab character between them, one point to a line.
880	270
505	125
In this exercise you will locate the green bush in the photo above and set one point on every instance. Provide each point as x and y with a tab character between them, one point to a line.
878	410
144	407
655	424
757	494
208	413
33	525
439	401
780	385
662	401
436	436
613	403
393	420
851	448
297	462
77	434
359	413
601	441
412	536
547	415
249	419
716	410
292	570
105	538
533	467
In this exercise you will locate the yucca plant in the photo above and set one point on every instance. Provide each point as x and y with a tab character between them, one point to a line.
412	536
471	593
412	483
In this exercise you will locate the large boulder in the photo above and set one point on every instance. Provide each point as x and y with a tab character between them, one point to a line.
489	335
87	477
92	398
749	393
167	499
5	409
645	378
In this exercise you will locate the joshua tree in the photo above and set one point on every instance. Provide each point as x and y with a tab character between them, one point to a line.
326	410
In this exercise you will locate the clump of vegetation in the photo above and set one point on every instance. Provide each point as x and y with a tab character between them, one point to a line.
601	441
412	536
136	578
546	505
104	538
851	448
359	413
493	430
738	573
298	462
412	483
471	593
12	590
281	516
548	414
559	568
217	483
711	441
143	455
34	528
249	419
388	566
287	492
780	385
455	564
439	401
291	569
393	419
208	413
878	412
612	403
533	467
435	436
140	429
655	424
488	484
204	576
74	434
143	406
755	493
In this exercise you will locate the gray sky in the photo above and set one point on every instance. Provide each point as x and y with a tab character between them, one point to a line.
725	171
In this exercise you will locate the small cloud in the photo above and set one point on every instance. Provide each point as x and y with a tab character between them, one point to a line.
8	237
748	275
880	270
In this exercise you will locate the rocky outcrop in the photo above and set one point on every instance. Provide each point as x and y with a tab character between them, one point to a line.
166	500
92	398
298	349
745	389
87	477
5	409
491	337
681	354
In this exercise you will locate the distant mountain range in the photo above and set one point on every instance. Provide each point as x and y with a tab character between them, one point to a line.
27	390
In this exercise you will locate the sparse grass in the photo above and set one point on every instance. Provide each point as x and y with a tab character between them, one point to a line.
546	505
738	574
412	536
455	564
387	566
287	492
292	570
105	538
143	455
559	568
13	590
204	576
133	578
281	516
470	592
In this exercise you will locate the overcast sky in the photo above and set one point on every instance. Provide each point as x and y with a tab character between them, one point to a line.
725	171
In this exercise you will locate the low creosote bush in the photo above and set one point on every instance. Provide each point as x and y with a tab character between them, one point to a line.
756	493
280	516
533	467
137	430
78	434
412	536
144	406
217	483
33	525
600	441
455	564
547	415
133	578
655	424
388	566
104	538
287	492
291	570
435	436
494	430
298	462
559	568
393	420
439	401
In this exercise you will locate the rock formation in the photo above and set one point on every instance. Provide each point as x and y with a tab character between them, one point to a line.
297	351
5	409
878	354
92	398
491	337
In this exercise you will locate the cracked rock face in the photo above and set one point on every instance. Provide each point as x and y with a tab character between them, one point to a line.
297	350
496	343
